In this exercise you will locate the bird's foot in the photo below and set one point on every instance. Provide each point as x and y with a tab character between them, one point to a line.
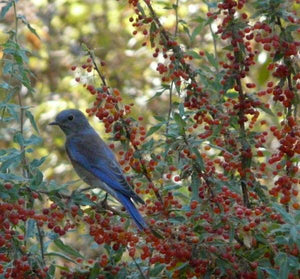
86	189
104	203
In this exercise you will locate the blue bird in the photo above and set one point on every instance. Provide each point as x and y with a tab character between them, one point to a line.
95	163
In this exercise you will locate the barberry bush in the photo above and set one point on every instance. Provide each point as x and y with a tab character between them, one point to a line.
217	163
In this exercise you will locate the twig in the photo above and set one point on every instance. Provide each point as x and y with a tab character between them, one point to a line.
16	21
170	107
215	47
244	141
41	240
176	16
139	268
149	265
92	56
199	170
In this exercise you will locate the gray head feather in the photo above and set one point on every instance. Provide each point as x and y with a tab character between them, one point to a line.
71	121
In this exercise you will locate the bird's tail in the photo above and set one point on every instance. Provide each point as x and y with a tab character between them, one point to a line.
132	210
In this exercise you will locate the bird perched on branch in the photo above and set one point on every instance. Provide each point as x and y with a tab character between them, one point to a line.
95	163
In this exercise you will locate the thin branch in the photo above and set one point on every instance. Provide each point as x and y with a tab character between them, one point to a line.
16	21
244	142
41	240
149	265
176	16
199	170
139	268
215	47
170	107
102	77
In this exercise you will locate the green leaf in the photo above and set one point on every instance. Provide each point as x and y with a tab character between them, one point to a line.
122	273
30	228
181	110
186	30
232	94
154	129
37	179
32	120
118	255
278	55
256	254
282	260
292	27
177	219
51	271
11	161
84	47
266	110
153	29
13	111
157	94
180	122
156	270
263	73
172	187
193	53
229	83
81	199
281	240
94	272
197	31
229	48
33	140
199	158
295	233
18	138
181	266
67	249
5	85
212	60
61	255
37	162
272	272
32	30
195	187
8	67
53	187
5	9
159	118
11	177
286	216
147	146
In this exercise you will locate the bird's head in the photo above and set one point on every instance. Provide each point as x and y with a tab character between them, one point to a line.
71	121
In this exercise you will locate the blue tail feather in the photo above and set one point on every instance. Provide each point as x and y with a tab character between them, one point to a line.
132	210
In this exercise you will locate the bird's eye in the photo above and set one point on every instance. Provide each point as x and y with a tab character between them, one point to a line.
70	117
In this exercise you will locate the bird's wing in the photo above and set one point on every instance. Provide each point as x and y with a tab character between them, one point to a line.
93	155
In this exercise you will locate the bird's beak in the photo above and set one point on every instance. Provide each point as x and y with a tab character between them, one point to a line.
53	123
